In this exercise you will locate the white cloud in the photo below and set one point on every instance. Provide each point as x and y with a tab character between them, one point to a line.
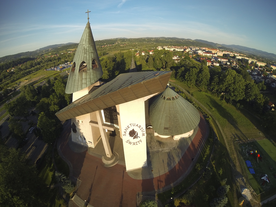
121	4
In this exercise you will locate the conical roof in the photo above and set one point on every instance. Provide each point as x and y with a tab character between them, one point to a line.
171	114
86	68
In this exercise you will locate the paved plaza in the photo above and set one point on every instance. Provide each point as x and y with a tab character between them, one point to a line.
101	186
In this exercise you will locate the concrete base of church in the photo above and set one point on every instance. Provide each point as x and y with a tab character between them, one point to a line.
110	161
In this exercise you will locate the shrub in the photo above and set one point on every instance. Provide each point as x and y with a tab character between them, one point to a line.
219	202
148	203
223	182
222	190
65	183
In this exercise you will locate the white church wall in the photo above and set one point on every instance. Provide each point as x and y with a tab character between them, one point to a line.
81	93
84	129
161	136
133	131
77	136
185	135
96	136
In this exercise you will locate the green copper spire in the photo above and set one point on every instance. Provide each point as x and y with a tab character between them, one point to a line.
86	68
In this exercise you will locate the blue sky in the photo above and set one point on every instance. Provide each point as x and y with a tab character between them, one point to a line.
27	25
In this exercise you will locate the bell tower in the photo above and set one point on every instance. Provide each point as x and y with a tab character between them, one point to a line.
86	69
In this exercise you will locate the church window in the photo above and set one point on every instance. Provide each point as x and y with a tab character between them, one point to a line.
94	64
83	67
73	67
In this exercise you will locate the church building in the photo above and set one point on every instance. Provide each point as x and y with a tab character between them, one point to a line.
133	103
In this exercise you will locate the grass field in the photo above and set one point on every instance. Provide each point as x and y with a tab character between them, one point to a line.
234	123
36	76
267	166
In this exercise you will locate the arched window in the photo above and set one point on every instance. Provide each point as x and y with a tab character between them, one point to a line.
94	64
83	67
73	67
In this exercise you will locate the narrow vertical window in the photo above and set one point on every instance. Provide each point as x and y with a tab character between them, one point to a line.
94	64
73	67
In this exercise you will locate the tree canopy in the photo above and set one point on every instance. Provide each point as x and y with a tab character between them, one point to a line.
19	182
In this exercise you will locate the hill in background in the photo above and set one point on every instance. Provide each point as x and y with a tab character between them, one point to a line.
147	42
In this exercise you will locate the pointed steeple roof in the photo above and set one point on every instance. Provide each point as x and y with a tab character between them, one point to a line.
171	114
86	68
132	66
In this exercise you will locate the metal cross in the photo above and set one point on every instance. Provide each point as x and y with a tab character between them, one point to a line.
88	14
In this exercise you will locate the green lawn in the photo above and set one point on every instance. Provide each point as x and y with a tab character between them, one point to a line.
267	166
233	122
46	174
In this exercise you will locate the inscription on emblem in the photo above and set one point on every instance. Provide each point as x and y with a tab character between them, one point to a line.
133	133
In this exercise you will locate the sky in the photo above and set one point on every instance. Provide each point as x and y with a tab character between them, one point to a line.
27	25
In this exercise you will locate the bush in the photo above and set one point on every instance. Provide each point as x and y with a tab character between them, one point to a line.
65	183
219	202
211	188
223	182
223	190
148	203
205	197
185	199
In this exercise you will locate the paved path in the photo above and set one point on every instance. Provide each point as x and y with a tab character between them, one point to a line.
101	186
268	200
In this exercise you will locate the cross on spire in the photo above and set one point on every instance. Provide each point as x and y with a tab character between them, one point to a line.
88	14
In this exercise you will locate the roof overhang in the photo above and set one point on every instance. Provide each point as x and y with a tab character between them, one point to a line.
124	88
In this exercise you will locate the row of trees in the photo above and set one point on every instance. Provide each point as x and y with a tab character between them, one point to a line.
233	85
20	184
47	99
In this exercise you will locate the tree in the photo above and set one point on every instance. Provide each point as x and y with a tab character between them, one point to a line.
50	127
30	93
43	106
251	91
150	61
19	182
157	64
59	87
18	107
232	85
16	127
203	77
191	76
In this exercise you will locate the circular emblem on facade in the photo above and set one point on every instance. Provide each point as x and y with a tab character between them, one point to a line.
132	134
